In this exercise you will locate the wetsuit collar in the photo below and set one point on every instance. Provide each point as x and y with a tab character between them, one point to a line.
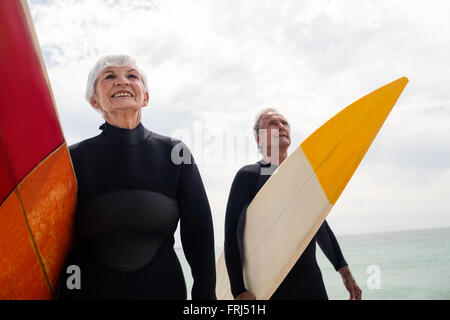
266	168
263	163
123	136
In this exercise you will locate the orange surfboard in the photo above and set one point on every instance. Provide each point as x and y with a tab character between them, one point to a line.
37	183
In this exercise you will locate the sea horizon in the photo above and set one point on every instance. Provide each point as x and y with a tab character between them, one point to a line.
392	265
363	233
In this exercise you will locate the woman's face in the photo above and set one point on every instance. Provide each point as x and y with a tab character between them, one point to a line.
119	89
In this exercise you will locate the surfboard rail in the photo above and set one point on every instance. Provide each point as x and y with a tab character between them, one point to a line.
38	186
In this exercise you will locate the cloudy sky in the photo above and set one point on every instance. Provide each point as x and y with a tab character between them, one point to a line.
212	65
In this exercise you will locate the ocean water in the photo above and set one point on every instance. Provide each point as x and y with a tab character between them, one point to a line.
403	265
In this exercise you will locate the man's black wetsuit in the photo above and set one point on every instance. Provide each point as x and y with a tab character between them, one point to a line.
130	198
304	281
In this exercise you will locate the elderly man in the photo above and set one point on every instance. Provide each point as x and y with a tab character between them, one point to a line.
304	281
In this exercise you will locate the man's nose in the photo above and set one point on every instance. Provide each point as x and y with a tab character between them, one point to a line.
281	126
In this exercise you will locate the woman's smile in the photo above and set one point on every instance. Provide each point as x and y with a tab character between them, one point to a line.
122	94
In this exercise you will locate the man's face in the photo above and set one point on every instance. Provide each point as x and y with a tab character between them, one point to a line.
275	125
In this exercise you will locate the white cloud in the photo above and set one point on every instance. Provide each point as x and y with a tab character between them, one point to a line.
219	62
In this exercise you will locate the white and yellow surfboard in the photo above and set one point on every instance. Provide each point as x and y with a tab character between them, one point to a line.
290	208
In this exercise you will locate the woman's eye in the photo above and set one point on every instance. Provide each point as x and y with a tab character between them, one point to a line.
133	76
110	76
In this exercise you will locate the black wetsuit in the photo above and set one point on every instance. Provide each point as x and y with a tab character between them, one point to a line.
131	196
304	281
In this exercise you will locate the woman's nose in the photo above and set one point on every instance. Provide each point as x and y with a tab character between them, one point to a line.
121	80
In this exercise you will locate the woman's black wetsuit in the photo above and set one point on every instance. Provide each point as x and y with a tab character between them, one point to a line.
131	195
304	281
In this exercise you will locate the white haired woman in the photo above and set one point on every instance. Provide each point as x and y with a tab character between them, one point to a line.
131	196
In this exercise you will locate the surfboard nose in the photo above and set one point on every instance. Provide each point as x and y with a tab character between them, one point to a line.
338	146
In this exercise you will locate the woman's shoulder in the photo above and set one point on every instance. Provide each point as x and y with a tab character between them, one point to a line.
161	139
82	145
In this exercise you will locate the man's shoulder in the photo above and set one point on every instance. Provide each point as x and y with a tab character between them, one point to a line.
250	168
249	171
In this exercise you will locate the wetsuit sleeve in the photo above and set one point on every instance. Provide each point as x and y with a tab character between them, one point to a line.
197	232
240	194
74	151
330	247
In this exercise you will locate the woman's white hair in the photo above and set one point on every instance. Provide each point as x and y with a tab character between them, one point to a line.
114	60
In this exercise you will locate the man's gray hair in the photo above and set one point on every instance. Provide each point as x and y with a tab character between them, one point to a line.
114	60
258	122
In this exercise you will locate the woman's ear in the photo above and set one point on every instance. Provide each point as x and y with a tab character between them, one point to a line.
94	103
146	99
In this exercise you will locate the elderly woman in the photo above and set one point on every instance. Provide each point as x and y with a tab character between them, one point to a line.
131	196
304	281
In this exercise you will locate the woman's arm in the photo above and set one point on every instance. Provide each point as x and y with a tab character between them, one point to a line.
197	232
